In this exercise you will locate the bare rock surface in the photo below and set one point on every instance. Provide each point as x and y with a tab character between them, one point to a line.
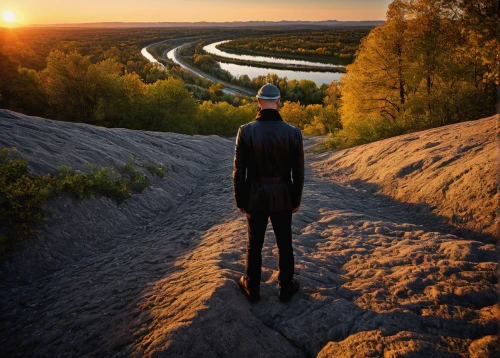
381	274
452	169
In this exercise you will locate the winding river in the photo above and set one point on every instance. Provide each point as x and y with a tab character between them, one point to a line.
212	49
230	88
251	71
239	70
146	54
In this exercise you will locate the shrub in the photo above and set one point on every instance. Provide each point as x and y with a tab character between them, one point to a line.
22	193
136	180
155	169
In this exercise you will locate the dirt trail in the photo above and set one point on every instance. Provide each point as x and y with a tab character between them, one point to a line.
378	276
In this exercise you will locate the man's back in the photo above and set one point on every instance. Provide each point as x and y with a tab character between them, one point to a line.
269	164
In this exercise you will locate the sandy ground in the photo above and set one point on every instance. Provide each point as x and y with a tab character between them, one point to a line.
382	274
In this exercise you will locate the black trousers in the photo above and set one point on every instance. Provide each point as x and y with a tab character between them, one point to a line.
282	227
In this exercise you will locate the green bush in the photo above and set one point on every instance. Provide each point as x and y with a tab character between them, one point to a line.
137	181
22	193
363	131
155	169
20	197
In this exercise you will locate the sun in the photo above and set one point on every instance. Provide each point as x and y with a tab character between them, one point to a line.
9	16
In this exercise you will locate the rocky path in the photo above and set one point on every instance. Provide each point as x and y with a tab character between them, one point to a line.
378	276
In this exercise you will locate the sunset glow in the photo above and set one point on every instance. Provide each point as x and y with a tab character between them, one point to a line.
9	16
65	12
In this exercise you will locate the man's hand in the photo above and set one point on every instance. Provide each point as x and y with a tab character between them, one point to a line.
242	210
295	210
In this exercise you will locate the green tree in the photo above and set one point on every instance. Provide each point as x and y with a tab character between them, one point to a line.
153	73
216	91
75	87
223	118
124	105
9	76
29	96
326	121
170	107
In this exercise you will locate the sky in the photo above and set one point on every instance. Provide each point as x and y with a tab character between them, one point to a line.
30	12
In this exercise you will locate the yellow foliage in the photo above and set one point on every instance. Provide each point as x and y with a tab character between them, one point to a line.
295	114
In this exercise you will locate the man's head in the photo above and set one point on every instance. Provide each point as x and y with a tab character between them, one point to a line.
269	97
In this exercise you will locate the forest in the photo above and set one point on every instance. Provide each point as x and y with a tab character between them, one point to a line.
432	63
100	77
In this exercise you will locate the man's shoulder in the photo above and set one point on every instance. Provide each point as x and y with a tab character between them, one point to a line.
247	131
291	126
297	129
283	124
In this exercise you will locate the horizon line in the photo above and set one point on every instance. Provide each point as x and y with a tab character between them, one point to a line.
184	22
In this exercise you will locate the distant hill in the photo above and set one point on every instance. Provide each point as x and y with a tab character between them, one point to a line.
326	23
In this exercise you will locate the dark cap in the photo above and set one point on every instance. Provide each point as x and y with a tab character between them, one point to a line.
269	92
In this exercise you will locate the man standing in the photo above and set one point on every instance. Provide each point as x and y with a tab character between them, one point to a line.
268	179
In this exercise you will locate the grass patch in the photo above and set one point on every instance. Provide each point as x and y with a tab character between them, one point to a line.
155	169
22	193
136	181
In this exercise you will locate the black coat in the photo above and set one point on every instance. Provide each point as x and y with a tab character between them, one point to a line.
268	170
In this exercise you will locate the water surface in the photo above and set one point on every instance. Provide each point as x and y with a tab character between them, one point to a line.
251	71
146	54
317	77
215	51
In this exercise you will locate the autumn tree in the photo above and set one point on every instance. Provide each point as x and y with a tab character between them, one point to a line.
327	121
205	62
216	91
295	114
479	51
432	63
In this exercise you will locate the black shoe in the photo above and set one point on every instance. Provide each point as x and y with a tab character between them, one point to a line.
253	295
285	294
